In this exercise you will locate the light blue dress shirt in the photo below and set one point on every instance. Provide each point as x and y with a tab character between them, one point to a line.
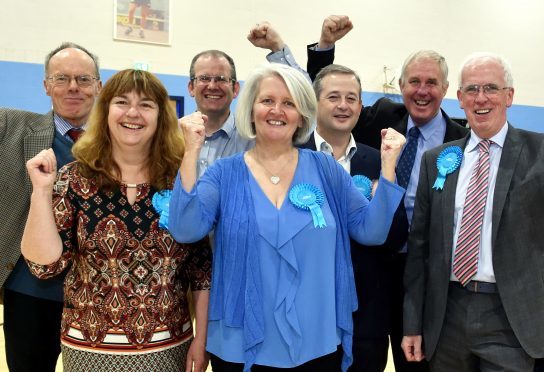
224	142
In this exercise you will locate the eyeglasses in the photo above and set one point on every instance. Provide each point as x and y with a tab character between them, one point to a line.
490	90
207	79
83	81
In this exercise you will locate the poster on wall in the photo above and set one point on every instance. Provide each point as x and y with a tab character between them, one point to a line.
142	21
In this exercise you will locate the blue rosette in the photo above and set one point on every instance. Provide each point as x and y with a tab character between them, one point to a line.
161	203
309	198
364	185
447	162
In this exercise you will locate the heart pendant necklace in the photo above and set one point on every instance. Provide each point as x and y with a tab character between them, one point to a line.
274	178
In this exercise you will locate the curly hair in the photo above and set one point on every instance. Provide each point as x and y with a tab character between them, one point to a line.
94	150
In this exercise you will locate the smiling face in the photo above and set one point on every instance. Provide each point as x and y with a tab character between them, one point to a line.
70	101
423	88
213	98
132	121
275	115
339	104
486	113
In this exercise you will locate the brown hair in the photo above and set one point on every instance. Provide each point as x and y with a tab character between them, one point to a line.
94	150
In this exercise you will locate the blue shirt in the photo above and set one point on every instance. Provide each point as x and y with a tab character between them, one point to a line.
226	197
224	142
431	135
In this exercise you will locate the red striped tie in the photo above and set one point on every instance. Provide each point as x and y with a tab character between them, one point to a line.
465	263
74	134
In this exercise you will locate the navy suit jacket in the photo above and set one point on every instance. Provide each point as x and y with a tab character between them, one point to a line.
371	320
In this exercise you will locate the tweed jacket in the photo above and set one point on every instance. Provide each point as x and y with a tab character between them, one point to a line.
22	135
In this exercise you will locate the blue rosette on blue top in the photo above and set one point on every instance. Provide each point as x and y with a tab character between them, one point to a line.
364	185
308	197
447	162
161	203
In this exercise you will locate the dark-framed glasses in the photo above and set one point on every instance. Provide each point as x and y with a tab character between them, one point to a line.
82	81
207	79
490	90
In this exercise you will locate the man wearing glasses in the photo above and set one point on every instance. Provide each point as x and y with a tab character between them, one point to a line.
213	84
474	287
33	307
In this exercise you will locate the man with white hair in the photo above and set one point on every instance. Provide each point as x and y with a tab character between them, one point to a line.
475	255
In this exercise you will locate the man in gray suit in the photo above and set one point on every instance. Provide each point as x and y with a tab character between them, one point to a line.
33	307
474	286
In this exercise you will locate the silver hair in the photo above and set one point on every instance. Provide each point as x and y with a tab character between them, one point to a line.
299	88
480	57
422	55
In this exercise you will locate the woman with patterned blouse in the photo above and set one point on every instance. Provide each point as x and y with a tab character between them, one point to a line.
125	304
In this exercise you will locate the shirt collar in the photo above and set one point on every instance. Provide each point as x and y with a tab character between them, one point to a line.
427	130
63	126
323	146
497	139
227	128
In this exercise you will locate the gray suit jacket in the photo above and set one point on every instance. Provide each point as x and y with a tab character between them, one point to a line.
517	241
22	136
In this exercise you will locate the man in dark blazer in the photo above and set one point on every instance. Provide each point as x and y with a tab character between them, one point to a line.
423	85
490	318
338	90
33	307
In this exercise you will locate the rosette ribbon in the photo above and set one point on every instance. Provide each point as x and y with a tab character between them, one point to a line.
364	185
447	162
308	197
161	203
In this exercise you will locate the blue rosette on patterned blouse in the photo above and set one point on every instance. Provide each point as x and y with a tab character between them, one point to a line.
364	185
309	198
447	162
161	203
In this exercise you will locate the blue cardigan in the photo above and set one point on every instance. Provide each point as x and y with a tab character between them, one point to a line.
236	281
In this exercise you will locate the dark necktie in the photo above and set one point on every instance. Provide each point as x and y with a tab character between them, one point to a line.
74	134
406	161
465	262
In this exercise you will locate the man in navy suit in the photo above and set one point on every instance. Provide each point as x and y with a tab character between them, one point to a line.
338	90
423	84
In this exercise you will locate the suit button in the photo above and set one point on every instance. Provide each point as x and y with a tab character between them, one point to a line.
10	266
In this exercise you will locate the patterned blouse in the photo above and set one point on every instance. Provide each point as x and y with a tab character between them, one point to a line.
127	281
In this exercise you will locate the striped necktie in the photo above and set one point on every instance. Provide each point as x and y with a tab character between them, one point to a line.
465	262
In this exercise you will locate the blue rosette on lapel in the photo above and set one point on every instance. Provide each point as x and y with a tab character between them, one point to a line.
161	203
364	185
447	162
308	197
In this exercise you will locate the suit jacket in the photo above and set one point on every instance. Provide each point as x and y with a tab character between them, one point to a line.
22	136
517	243
372	318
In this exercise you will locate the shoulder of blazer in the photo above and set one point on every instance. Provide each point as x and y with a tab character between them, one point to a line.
310	144
16	123
453	130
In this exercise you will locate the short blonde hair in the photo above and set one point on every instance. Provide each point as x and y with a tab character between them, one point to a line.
298	86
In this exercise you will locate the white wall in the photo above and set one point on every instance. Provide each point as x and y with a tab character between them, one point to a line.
385	33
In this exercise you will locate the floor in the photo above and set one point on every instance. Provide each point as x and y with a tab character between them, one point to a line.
4	368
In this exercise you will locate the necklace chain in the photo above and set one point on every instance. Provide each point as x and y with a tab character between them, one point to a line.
275	179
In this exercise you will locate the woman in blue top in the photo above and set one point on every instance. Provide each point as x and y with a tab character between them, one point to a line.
282	291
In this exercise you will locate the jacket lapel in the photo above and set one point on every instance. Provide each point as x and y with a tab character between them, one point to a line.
509	159
448	203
